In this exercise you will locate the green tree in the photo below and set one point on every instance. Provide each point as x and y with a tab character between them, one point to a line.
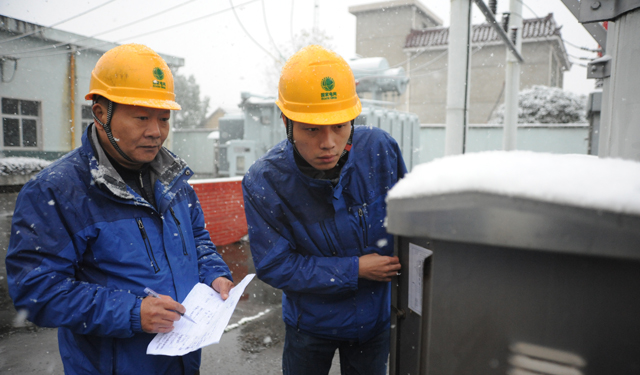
194	110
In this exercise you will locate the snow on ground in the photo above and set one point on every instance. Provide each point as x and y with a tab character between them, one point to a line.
577	180
21	166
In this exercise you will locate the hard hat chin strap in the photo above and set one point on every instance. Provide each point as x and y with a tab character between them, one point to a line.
107	129
347	148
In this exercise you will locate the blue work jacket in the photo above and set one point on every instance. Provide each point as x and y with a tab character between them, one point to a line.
307	235
84	246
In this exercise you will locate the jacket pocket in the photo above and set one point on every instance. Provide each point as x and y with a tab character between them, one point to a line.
184	245
362	214
327	237
147	245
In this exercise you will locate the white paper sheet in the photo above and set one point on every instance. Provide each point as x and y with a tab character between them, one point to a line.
417	255
205	306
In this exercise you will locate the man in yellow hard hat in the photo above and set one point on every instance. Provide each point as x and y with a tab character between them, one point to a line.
315	207
111	218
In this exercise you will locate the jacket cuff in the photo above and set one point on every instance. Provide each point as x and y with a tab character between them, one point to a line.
136	325
355	266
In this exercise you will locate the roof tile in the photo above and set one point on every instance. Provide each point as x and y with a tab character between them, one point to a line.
439	36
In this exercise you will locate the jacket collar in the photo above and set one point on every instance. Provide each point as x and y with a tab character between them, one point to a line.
166	168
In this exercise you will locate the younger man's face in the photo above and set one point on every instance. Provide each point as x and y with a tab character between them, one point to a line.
321	145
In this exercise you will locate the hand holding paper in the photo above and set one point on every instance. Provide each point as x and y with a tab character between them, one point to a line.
212	314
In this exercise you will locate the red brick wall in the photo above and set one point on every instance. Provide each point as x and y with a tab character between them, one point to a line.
223	206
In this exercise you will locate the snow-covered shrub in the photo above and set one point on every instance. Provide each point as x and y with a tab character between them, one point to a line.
546	105
21	166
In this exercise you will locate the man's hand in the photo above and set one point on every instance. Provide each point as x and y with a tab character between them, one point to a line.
158	314
222	285
378	267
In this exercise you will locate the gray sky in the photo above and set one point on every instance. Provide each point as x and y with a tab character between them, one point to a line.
223	57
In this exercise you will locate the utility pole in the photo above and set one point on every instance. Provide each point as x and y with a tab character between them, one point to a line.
512	79
316	19
458	77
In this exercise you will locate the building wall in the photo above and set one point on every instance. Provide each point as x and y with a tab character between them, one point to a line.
45	76
223	206
45	79
197	150
383	33
552	138
427	89
428	83
213	121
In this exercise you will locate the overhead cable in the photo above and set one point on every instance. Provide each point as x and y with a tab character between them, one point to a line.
249	35
528	7
102	32
433	60
582	48
579	64
266	26
581	57
38	30
143	34
293	45
412	76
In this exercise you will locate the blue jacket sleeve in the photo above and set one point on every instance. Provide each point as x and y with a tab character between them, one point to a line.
43	252
279	264
210	263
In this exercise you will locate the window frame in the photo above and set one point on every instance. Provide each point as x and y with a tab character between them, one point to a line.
85	121
20	117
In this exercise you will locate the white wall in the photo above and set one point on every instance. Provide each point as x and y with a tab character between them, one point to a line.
552	138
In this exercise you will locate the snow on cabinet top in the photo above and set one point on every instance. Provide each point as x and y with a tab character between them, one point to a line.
575	180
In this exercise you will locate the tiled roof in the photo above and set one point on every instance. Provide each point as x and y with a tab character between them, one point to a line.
439	36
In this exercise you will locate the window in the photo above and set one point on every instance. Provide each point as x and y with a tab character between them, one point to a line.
87	117
20	123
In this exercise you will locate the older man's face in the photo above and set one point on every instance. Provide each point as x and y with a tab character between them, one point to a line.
138	131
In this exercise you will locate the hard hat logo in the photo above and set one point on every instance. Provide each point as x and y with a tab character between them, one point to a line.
158	73
328	83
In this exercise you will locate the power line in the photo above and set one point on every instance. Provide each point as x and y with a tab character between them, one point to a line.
528	7
582	48
143	34
266	26
55	24
580	57
566	41
409	59
579	64
411	76
431	61
103	32
291	26
249	35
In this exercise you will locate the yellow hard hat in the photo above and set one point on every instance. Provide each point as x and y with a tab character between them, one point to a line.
317	87
133	74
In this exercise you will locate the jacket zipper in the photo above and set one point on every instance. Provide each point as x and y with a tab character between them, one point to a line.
147	245
328	239
184	246
365	231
